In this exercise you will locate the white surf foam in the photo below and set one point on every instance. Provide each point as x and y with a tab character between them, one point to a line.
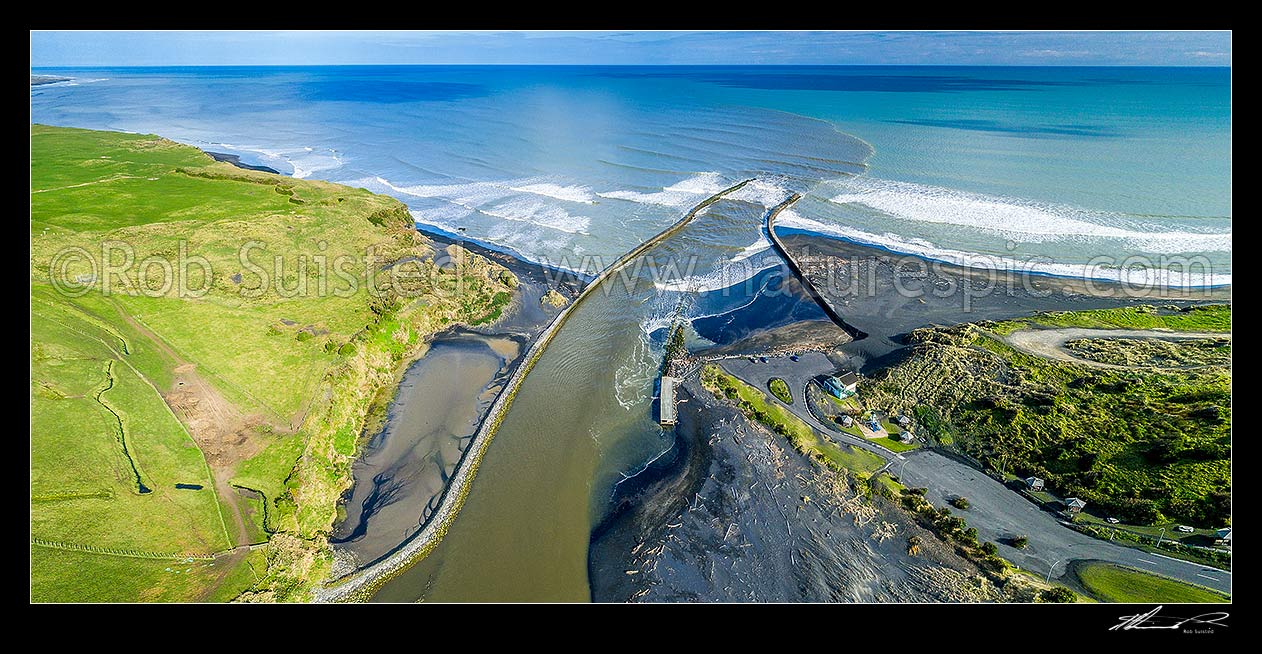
496	200
761	245
926	249
538	213
1020	220
301	162
725	275
682	194
580	194
761	191
470	196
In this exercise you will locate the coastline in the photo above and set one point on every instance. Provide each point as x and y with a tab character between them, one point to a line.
236	161
354	587
1068	279
41	80
363	584
520	324
502	254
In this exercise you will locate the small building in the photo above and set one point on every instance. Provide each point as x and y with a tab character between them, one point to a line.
904	421
1034	483
906	437
1223	537
667	415
846	421
1075	505
843	385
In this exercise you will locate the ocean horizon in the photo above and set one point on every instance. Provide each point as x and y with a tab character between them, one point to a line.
1044	169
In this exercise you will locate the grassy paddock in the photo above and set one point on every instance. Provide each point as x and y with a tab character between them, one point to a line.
299	360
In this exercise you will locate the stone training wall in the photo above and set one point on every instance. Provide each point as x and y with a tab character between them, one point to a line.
361	585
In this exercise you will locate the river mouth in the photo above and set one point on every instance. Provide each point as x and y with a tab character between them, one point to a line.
405	468
582	423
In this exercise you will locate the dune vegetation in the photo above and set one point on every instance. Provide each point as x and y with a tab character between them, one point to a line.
1145	445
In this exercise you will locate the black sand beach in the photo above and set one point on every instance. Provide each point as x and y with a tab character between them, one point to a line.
442	399
737	515
723	517
236	161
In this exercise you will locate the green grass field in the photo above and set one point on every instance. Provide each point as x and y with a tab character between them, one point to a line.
259	372
1208	318
1111	583
755	405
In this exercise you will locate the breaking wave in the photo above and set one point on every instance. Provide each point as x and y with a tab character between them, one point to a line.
928	250
1020	220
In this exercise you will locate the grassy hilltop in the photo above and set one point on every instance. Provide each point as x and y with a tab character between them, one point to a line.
250	396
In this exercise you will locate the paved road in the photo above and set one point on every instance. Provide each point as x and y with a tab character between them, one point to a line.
997	512
797	374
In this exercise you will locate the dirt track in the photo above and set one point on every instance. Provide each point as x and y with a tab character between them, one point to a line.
1050	343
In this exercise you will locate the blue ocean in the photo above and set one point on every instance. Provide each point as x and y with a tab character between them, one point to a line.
1104	172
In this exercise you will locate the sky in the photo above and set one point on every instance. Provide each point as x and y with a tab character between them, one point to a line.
224	48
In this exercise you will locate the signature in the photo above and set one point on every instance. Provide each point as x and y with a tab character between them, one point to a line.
1151	620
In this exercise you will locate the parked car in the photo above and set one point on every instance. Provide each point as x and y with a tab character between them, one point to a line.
1112	521
1184	529
793	357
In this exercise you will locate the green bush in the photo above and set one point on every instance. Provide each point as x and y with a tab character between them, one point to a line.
304	336
347	350
1020	542
1058	595
960	502
780	389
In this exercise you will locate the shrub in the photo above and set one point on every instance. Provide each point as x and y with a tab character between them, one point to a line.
990	549
1057	595
1020	542
780	389
304	336
960	502
347	350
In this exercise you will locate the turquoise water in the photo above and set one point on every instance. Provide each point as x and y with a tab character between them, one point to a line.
1040	168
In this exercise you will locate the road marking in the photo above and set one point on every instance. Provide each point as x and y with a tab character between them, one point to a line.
1208	577
1201	565
1149	562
